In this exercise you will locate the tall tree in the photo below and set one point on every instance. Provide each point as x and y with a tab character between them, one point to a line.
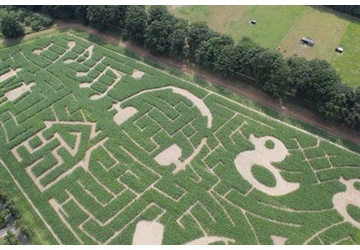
59	11
208	50
300	76
178	39
199	32
272	72
251	52
323	79
337	107
100	16
158	13
117	18
225	62
10	28
157	36
135	23
80	12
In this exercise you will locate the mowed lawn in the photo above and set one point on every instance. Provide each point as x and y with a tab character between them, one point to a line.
270	27
348	64
325	28
284	26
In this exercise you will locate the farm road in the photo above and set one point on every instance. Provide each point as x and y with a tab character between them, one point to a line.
247	90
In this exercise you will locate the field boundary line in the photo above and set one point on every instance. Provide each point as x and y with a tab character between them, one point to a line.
219	95
31	203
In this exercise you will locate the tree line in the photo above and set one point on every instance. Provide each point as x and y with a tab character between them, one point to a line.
315	83
14	21
352	10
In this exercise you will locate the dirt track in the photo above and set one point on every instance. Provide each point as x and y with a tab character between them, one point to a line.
249	91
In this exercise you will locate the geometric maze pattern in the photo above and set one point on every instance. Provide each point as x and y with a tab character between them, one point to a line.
108	150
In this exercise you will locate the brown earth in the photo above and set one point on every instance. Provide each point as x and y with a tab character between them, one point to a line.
247	89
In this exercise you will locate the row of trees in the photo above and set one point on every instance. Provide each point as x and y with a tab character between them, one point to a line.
352	10
13	20
313	82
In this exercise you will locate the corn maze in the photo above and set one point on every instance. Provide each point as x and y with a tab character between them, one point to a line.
109	150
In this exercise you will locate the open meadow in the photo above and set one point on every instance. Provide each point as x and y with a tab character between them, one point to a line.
100	148
284	26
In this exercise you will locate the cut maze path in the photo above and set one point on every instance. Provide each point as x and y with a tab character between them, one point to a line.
101	179
246	89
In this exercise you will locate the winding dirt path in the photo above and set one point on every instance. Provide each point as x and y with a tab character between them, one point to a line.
246	89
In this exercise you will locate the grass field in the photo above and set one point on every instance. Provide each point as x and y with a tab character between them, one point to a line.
284	26
100	148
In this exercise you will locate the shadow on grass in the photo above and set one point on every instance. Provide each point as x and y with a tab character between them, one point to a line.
11	42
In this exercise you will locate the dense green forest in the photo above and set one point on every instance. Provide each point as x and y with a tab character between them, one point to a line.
314	83
352	10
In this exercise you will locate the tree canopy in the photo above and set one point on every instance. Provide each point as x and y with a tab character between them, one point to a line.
11	28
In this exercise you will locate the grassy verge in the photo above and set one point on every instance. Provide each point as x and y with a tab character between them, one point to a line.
350	145
348	63
284	26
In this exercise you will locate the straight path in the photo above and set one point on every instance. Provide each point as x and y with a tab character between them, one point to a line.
246	89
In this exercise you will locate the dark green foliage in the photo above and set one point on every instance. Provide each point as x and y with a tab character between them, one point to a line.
35	25
2	220
59	11
177	40
157	36
135	23
10	205
317	82
198	33
158	13
11	239
353	10
269	144
100	16
10	28
207	52
272	73
354	212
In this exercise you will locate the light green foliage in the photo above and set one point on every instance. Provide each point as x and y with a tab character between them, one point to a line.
104	176
354	212
347	63
263	175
